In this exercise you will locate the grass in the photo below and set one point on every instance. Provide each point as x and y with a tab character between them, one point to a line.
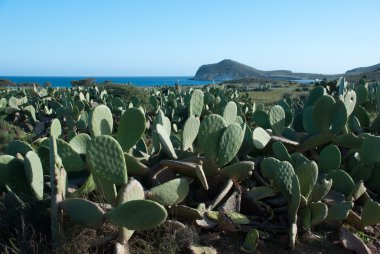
275	94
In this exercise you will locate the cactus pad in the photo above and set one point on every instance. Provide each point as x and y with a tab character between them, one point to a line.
165	141
238	171
106	158
229	143
307	173
371	213
260	138
367	153
169	193
190	132
55	128
131	128
339	211
342	181
70	159
84	212
319	213
34	173
100	121
18	146
79	143
277	119
329	159
137	215
210	131
230	112
196	103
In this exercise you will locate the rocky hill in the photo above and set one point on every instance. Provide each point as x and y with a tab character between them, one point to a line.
229	70
232	70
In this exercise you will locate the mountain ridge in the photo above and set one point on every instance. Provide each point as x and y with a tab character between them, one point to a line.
228	69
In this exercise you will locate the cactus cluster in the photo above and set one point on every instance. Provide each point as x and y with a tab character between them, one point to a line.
200	155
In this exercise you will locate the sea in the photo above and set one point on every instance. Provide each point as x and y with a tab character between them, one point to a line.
137	81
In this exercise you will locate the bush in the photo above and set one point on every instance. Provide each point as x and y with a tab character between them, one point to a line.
8	133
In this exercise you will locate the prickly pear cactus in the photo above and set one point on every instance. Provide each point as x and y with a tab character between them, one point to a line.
106	158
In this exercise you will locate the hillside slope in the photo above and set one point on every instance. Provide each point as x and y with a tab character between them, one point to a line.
230	70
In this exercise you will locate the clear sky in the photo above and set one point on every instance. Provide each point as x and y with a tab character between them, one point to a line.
162	37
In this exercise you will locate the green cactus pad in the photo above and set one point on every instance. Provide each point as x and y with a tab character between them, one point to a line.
135	167
361	94
268	166
357	192
280	152
315	94
283	177
88	186
13	102
11	170
83	121
106	158
329	159
229	143
137	215
339	211
210	131
250	242
349	140
131	128
307	173
339	117
261	192
34	174
319	213
196	103
133	190
320	190
201	176
71	160
238	171
165	141
361	114
305	215
237	218
260	138
44	154
79	143
190	132
371	213
100	121
277	119
367	153
185	212
342	181
84	212
307	120
261	119
18	146
230	112
298	158
350	101
169	193
329	115
55	128
106	188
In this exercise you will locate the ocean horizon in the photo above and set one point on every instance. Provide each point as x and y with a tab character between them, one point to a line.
65	81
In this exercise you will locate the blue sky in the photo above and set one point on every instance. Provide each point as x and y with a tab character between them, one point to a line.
151	37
